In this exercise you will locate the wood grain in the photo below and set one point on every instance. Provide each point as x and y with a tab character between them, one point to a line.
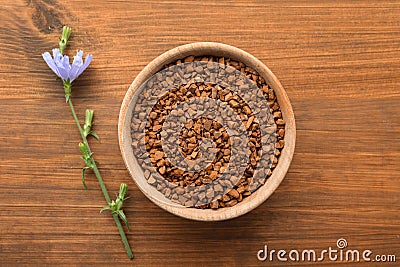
338	61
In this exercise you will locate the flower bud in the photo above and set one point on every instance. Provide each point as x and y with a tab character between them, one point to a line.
88	121
66	33
83	149
122	191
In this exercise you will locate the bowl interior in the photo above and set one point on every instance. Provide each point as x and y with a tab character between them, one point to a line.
125	140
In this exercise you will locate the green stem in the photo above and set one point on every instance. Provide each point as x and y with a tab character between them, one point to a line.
100	179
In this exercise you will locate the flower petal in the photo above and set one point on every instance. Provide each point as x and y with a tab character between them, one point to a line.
63	67
88	59
76	64
61	63
50	62
65	63
56	54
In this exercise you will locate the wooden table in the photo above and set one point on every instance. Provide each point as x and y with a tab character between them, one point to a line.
340	65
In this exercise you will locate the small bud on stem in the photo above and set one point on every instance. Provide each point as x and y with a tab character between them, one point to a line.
66	33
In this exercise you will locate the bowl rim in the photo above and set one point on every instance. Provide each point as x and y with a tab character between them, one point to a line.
263	192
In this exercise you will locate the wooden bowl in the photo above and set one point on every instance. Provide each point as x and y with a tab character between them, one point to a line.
125	140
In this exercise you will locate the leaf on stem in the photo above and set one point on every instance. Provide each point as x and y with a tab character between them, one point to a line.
83	176
121	214
87	159
87	126
95	135
116	206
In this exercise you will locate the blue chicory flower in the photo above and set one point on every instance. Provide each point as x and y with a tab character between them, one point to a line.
60	65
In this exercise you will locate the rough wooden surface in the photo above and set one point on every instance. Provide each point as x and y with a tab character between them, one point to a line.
338	61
